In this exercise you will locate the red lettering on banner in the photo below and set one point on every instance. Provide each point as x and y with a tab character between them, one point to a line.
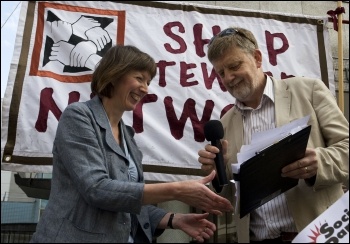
272	52
138	113
208	80
177	125
168	31
184	76
283	75
225	109
47	104
199	42
216	30
162	64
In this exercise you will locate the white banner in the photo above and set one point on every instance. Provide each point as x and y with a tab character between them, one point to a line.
332	226
184	95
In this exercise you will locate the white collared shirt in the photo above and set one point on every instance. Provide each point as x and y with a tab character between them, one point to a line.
269	220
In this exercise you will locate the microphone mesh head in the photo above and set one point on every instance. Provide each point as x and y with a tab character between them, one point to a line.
213	130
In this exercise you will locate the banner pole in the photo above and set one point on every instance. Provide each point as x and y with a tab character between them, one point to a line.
340	60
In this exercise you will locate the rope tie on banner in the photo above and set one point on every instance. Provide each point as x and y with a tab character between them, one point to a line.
334	16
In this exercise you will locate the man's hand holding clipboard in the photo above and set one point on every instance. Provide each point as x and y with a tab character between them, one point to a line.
261	177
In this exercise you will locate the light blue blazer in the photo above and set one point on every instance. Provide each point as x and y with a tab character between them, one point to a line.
91	198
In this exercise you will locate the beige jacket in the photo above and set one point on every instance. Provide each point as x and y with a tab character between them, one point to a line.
295	98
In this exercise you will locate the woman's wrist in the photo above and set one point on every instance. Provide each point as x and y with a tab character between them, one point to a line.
170	221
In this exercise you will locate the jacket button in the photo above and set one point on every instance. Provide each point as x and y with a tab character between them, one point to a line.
146	226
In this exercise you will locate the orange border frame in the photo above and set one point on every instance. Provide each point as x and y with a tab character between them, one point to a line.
34	66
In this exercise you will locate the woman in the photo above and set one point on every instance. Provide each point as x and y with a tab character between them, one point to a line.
98	192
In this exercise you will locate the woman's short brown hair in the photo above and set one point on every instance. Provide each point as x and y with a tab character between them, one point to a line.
118	61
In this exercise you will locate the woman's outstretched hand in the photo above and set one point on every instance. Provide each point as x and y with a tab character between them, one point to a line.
195	193
195	225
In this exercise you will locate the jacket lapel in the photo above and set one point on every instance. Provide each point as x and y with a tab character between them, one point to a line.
97	109
133	149
237	125
282	102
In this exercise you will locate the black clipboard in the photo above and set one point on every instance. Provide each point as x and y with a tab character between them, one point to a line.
260	177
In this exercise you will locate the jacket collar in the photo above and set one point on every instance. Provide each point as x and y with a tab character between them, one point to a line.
282	102
96	106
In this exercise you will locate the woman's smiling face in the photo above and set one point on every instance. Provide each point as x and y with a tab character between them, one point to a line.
131	89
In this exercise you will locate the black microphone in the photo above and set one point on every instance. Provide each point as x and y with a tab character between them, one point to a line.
213	132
